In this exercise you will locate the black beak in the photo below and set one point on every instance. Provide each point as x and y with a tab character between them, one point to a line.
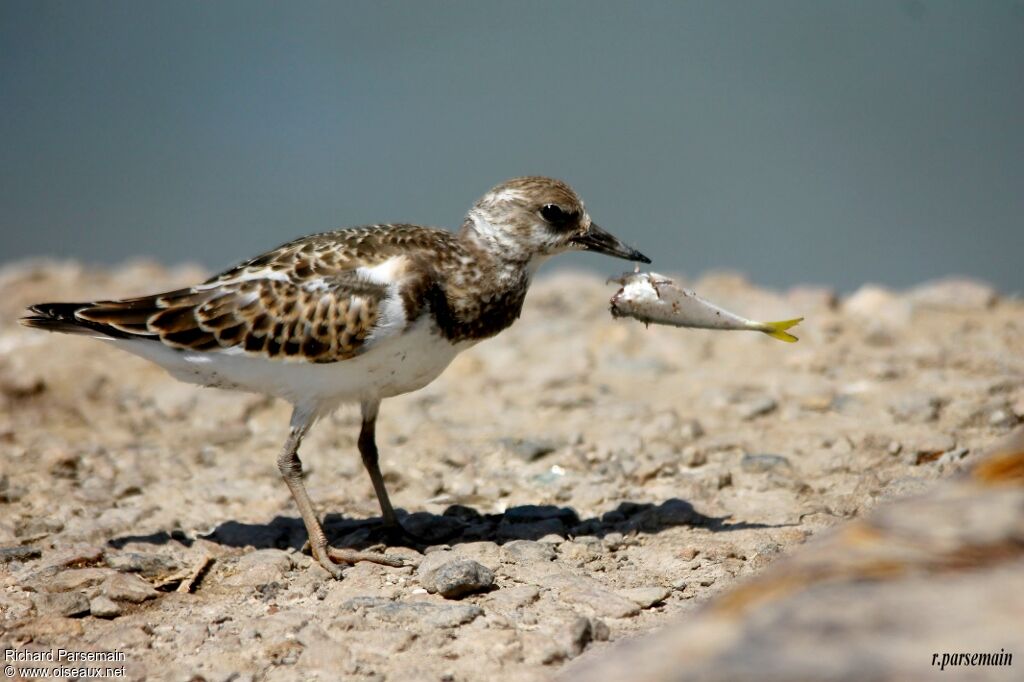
596	239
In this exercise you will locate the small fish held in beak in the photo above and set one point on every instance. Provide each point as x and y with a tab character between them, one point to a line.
653	298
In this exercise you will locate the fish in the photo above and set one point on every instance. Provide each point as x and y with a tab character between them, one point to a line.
656	299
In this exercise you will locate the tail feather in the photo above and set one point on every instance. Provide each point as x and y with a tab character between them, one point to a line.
61	317
777	330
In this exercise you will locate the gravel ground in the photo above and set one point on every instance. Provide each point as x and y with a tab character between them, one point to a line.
585	479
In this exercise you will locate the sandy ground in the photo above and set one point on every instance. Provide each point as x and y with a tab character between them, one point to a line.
612	478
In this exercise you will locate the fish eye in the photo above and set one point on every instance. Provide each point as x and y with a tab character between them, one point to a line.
555	215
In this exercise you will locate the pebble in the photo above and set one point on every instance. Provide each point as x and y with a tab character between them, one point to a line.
457	578
916	408
104	607
128	587
526	551
762	464
408	613
757	407
19	554
261	567
528	449
148	564
66	604
645	597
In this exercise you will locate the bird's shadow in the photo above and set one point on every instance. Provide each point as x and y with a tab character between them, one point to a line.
461	524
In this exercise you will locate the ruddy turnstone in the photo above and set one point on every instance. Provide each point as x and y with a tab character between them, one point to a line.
351	316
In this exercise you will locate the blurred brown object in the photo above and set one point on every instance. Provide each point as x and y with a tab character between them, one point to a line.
879	598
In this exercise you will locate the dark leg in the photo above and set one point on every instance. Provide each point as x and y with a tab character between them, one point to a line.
368	451
291	470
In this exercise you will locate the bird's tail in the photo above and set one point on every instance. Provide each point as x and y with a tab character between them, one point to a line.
57	317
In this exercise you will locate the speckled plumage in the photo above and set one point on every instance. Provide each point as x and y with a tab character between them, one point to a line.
354	315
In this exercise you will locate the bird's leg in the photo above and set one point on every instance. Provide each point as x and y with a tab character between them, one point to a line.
368	451
291	470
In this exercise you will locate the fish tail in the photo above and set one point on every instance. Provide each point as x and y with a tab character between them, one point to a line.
777	330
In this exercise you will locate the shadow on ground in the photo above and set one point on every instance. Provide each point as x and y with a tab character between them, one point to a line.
459	524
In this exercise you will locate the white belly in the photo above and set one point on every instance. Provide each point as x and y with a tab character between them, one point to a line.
398	364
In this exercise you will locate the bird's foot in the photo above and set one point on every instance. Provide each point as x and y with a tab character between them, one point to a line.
330	558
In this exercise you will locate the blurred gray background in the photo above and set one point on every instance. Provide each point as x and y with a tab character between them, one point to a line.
798	141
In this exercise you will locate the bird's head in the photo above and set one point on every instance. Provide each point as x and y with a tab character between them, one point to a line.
533	218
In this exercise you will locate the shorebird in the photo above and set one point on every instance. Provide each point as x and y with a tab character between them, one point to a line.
350	316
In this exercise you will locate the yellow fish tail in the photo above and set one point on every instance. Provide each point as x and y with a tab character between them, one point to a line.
777	330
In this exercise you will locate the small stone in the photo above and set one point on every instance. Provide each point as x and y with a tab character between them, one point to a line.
528	449
692	456
11	493
78	579
66	604
414	613
1002	418
597	600
762	464
524	551
757	407
128	587
104	607
916	408
691	429
261	567
148	564
16	553
645	597
79	555
457	578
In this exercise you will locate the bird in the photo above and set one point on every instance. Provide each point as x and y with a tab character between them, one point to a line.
350	316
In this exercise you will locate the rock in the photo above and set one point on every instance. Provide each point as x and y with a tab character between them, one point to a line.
148	564
757	407
691	430
11	493
75	556
128	587
66	604
873	302
412	613
762	464
457	578
433	528
16	553
591	597
104	607
77	579
916	408
645	597
527	550
954	293
528	449
261	567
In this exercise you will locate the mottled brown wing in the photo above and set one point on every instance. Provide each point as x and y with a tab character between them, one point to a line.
315	320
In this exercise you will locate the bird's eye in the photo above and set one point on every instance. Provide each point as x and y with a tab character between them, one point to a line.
554	214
